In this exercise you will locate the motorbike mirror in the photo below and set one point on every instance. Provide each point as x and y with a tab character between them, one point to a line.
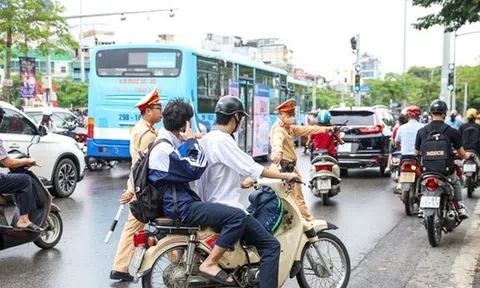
42	130
35	139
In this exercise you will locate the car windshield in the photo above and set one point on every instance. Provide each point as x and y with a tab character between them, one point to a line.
355	118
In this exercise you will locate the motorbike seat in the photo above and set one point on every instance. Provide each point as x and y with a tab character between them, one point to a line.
434	174
327	158
168	222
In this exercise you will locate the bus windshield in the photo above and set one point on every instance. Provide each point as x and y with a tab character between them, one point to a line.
139	62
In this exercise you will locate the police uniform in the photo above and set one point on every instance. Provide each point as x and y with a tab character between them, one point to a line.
141	136
281	140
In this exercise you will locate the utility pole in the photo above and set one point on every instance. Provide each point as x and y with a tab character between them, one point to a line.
465	99
314	93
82	55
357	64
444	92
405	51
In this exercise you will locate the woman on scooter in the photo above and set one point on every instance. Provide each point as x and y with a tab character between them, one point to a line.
20	184
325	140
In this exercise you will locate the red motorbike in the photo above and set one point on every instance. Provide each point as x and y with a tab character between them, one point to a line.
410	174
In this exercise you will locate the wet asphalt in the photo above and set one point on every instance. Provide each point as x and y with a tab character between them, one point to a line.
386	247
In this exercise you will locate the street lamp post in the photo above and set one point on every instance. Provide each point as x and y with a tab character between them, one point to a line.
405	50
82	56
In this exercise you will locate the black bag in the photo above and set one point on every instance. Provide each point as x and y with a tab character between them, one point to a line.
149	202
470	138
436	152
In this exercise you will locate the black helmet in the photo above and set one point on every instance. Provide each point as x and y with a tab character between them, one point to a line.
438	107
229	105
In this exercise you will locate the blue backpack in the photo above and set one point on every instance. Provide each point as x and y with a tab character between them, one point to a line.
267	208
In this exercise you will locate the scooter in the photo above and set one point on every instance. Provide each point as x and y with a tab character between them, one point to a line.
470	171
169	255
47	214
409	180
324	175
395	165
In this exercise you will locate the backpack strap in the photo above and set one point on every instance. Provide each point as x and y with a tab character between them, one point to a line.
141	137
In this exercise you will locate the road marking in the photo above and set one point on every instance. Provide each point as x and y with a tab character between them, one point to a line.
463	268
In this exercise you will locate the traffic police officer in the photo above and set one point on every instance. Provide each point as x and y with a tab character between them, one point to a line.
283	148
142	135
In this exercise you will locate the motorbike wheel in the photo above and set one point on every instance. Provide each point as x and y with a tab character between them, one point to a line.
93	164
52	233
409	201
434	228
169	265
313	273
470	187
112	164
325	199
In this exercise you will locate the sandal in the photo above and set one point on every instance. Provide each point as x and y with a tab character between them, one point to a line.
220	278
30	228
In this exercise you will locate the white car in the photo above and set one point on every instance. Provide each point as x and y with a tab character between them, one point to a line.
60	157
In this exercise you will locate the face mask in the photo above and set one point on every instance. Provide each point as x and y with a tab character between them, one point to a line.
289	120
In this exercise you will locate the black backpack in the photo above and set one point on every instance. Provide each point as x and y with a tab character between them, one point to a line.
436	152
470	138
149	199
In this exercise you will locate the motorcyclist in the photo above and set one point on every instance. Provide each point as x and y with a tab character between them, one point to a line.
400	121
425	119
453	121
20	184
464	129
312	120
222	182
438	110
47	121
325	140
406	136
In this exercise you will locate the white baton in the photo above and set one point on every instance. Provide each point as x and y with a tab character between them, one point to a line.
114	224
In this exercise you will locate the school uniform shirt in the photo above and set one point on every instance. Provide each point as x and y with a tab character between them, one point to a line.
176	163
228	165
407	135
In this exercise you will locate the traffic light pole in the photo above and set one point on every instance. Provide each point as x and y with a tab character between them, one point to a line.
357	93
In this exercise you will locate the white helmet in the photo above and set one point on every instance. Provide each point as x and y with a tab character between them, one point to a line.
47	111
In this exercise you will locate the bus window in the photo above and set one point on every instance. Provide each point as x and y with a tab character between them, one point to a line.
139	62
246	72
226	73
207	84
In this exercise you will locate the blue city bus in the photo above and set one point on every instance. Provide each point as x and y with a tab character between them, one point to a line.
121	74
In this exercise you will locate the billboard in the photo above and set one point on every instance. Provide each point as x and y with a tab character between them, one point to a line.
27	78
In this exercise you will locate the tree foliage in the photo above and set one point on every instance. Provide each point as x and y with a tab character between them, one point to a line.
327	98
72	93
453	14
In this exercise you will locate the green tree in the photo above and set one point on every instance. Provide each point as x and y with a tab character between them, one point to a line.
453	13
72	93
327	98
31	22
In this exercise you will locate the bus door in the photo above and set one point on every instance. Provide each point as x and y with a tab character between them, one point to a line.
245	133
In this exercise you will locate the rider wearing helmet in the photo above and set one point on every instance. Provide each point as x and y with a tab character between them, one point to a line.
222	182
470	132
438	110
402	119
47	119
453	120
312	120
325	140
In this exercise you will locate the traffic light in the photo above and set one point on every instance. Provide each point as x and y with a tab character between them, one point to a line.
357	83
353	42
450	84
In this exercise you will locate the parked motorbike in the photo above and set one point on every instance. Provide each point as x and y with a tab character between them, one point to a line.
409	180
167	255
324	175
470	172
439	206
47	214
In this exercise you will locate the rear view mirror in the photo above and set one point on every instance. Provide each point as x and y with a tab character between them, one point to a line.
42	130
35	139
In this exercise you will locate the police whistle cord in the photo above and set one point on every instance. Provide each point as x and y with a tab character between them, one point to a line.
114	224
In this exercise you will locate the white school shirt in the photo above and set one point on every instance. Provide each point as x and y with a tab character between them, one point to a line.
227	166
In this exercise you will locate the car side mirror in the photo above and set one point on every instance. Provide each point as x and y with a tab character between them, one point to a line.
35	139
42	131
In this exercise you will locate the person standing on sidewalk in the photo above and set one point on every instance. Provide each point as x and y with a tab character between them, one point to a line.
283	148
142	135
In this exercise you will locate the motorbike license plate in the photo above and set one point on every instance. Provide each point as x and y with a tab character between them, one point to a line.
469	168
137	260
345	148
324	184
429	202
408	177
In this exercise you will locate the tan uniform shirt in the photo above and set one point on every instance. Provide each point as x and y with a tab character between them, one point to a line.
142	135
281	138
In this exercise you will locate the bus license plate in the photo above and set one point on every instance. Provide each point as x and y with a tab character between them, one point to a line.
407	177
429	202
345	148
469	168
137	260
324	184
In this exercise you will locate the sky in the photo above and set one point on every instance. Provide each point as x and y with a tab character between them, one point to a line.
318	31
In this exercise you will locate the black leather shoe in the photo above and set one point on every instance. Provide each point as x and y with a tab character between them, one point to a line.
115	275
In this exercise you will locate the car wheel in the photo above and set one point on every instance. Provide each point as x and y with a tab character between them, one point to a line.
65	179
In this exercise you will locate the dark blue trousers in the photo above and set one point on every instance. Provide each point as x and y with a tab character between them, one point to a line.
21	186
230	221
269	249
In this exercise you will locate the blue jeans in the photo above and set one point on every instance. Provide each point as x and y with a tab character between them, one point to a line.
230	221
269	249
21	186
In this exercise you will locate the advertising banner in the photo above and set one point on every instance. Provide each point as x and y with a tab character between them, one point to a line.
27	78
261	118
